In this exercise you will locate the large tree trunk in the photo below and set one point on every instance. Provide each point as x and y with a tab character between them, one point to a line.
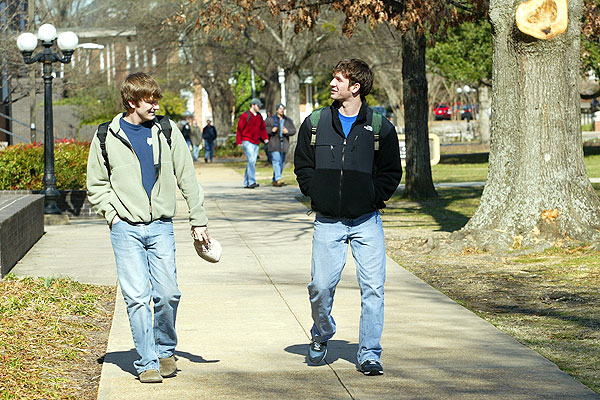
483	122
292	97
538	192
221	101
419	183
272	93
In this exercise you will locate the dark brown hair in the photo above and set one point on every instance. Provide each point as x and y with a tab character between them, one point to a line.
137	87
356	71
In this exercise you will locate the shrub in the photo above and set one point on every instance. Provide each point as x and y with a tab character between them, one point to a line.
94	104
22	166
172	104
229	148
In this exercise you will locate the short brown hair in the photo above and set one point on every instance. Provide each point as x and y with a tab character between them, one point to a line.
356	71
137	87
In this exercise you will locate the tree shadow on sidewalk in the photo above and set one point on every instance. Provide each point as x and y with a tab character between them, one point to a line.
336	349
125	359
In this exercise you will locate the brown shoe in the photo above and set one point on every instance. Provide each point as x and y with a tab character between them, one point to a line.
280	183
274	183
150	376
168	367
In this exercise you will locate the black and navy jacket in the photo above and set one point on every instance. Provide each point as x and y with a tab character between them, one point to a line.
346	177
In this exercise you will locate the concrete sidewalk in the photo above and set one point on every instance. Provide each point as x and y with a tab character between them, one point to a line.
243	322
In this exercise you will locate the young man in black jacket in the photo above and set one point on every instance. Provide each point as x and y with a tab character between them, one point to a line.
349	166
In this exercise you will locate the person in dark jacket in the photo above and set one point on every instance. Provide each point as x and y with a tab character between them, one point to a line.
279	129
185	131
209	134
348	181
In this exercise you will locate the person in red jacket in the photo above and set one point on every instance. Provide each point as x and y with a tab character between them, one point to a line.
250	129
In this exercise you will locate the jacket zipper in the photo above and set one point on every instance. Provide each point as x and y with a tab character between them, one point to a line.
342	175
157	171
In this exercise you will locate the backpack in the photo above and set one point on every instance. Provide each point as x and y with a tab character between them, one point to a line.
315	117
165	127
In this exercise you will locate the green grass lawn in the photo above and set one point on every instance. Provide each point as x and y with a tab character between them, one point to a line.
441	173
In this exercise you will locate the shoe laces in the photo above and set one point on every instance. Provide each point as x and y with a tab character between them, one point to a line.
317	346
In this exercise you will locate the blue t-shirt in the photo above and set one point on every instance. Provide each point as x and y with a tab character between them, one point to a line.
140	137
346	122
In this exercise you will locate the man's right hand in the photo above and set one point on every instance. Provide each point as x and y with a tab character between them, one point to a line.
274	129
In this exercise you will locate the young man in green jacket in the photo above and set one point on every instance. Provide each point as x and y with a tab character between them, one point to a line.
134	190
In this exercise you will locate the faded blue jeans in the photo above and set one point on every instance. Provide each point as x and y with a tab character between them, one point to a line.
195	152
209	150
278	160
145	257
330	246
251	152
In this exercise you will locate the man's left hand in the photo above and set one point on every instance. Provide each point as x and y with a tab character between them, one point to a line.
200	233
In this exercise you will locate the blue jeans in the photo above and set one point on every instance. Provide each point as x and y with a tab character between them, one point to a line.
209	150
145	257
278	160
195	152
251	152
330	245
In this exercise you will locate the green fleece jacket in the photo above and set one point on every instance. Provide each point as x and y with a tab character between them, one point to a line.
123	194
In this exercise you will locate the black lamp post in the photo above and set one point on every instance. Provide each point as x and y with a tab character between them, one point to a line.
67	42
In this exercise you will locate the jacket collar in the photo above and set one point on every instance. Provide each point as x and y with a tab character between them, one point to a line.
335	117
115	125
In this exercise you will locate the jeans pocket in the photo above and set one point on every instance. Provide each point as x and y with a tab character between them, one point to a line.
116	224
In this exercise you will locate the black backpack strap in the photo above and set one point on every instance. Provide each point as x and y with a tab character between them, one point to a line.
165	127
102	132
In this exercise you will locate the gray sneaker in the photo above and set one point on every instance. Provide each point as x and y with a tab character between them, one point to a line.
168	366
317	351
371	367
150	376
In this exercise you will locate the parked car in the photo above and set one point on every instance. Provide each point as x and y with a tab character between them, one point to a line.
466	112
442	111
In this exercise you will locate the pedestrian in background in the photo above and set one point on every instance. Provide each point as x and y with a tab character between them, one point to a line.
132	186
349	166
196	139
185	131
280	128
209	134
250	129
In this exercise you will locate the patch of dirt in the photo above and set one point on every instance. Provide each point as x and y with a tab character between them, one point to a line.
86	371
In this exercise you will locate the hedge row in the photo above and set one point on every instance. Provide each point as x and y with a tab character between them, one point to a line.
22	166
